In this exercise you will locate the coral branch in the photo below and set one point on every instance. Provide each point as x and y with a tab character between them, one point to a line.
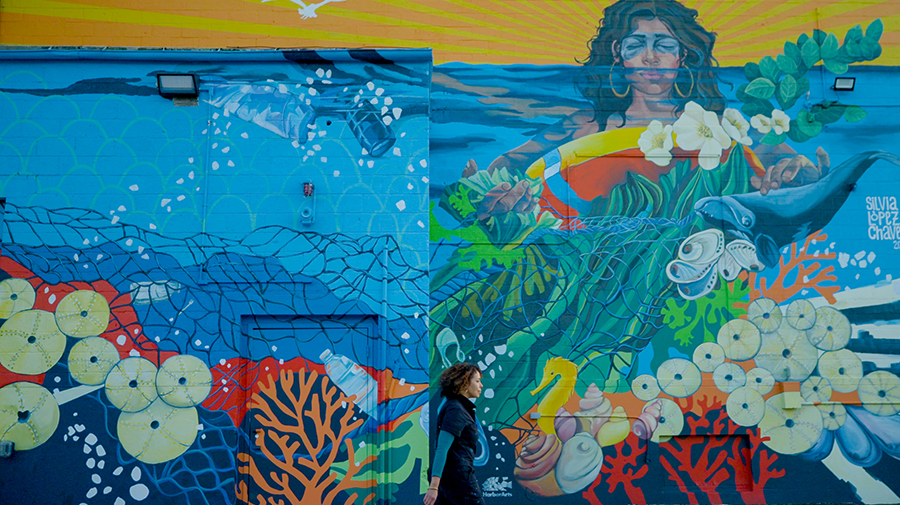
780	291
300	459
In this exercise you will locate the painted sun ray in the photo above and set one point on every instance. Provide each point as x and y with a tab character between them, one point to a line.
560	23
540	20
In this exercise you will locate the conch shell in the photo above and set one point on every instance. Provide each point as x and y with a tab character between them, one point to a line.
579	463
648	421
615	430
594	410
536	465
565	425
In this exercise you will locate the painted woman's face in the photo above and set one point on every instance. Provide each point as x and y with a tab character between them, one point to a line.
651	56
474	389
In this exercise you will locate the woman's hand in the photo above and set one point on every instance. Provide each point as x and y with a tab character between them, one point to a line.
430	496
504	197
792	172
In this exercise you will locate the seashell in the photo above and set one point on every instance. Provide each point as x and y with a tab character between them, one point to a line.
790	431
728	377
158	433
765	314
693	281
678	377
787	354
82	314
831	331
744	253
645	387
709	355
648	421
565	424
843	370
671	419
615	430
536	466
702	247
579	463
801	315
740	339
29	415
594	410
16	295
30	342
879	393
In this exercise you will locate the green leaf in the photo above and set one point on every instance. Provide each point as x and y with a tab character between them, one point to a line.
802	85
755	107
874	30
853	35
741	94
769	69
773	139
807	124
802	39
829	48
819	36
853	113
828	112
792	51
751	70
787	92
869	49
761	88
835	66
787	64
810	53
849	53
795	134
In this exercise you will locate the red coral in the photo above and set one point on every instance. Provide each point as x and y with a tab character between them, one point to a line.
622	469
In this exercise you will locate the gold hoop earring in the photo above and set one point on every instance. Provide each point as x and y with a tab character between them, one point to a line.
612	87
691	90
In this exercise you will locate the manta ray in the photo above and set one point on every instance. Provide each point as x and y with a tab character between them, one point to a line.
787	215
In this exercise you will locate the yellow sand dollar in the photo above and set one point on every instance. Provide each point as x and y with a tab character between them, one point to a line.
843	369
761	380
158	433
91	359
790	431
30	342
644	387
745	406
131	384
16	295
29	415
832	329
787	354
739	339
83	314
183	381
765	314
816	389
671	419
801	315
729	376
678	377
833	415
708	355
879	393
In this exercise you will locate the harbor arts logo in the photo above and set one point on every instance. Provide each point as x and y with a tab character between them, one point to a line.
493	487
884	223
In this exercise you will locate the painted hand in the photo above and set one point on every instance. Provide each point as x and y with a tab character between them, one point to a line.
792	172
504	197
430	497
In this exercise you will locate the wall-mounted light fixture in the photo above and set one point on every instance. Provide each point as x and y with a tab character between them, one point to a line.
177	85
844	83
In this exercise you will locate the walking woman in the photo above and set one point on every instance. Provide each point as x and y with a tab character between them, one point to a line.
453	470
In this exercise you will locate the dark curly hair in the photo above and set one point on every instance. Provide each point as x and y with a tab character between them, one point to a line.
455	380
619	20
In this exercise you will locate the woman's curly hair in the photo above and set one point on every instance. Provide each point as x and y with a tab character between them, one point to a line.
620	19
455	380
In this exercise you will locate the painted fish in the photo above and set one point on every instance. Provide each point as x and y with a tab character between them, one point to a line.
787	215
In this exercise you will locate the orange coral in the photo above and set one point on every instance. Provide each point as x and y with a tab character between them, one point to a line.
780	291
301	480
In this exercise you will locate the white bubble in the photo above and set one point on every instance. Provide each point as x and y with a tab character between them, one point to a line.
95	478
136	474
92	492
134	187
107	489
91	439
139	492
91	462
120	340
118	471
119	501
401	205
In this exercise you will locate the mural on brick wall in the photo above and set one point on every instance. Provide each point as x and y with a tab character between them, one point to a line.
184	319
676	276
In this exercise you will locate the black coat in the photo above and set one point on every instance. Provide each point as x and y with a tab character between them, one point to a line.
458	483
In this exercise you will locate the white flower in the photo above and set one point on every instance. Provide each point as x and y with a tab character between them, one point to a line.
736	126
761	123
656	143
781	122
698	129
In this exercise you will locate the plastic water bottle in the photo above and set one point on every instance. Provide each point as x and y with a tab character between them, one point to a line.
352	379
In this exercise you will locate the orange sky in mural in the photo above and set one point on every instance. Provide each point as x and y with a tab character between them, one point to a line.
471	31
